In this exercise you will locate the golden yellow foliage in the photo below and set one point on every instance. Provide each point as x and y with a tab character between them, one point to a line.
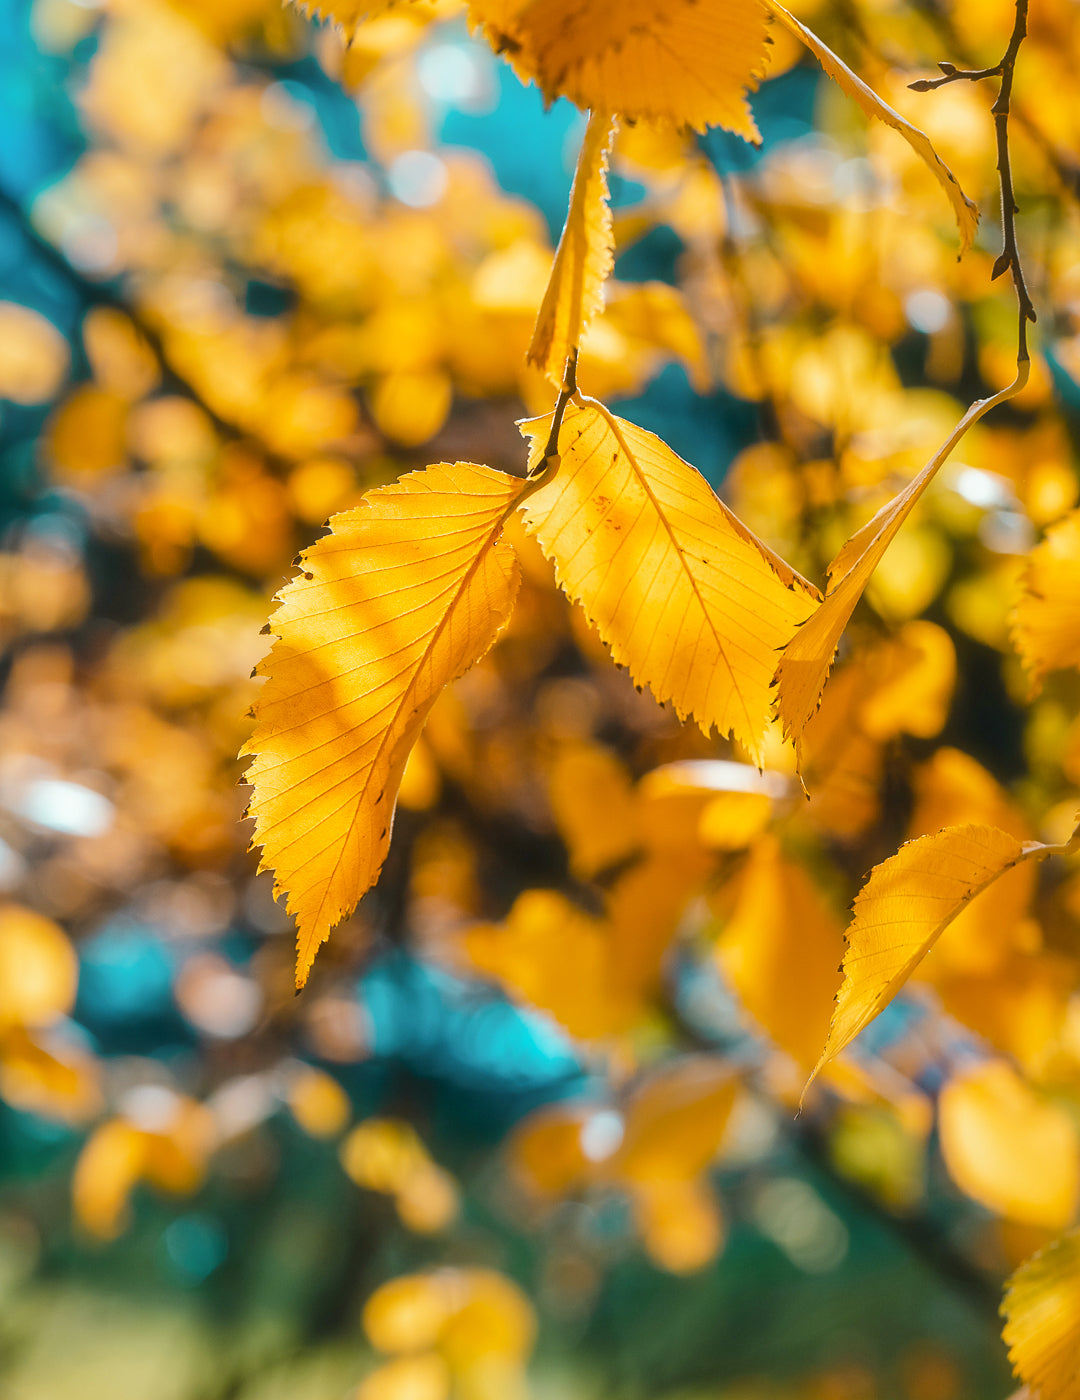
1046	623
407	592
385	1154
967	213
670	61
1009	1148
38	968
807	659
686	597
1042	1319
781	947
904	907
583	259
675	1121
33	355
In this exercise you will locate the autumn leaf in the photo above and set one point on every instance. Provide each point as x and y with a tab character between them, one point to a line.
583	260
675	1121
684	594
967	213
808	657
903	909
1046	623
349	13
676	62
408	591
780	949
1042	1312
1009	1148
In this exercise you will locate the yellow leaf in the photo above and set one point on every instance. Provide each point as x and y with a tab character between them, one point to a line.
318	1102
38	968
529	954
952	789
680	1224
1042	1312
547	1151
807	659
781	948
109	1165
34	355
684	594
422	1377
675	1121
583	260
905	906
1020	1008
492	1318
1009	1149
408	591
675	62
913	678
408	1314
594	806
350	13
967	213
48	1077
428	1200
380	1154
1046	623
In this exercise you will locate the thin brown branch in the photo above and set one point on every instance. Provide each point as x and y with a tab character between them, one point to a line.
1009	258
1010	254
954	75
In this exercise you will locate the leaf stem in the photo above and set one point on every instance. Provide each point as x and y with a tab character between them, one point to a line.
1009	258
566	393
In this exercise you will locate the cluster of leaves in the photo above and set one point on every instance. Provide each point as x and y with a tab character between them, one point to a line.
561	835
411	589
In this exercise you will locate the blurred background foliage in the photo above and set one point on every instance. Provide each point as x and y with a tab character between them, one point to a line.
531	1129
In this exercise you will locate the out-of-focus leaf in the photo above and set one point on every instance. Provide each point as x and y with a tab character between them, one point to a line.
1046	623
1007	1147
781	947
38	968
34	355
967	213
808	657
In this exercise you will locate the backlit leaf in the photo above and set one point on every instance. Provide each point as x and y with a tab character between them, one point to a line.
807	659
1046	623
350	13
583	260
677	62
1042	1312
967	213
408	591
685	595
905	906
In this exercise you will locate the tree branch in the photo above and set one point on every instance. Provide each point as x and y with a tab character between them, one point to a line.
1009	258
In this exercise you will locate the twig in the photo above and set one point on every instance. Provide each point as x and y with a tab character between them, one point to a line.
1009	258
566	393
954	75
1010	254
